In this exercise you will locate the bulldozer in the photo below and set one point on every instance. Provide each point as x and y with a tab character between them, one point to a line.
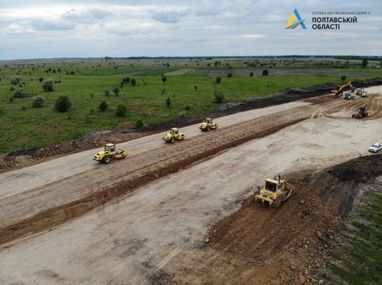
207	125
173	135
109	152
275	192
342	88
361	113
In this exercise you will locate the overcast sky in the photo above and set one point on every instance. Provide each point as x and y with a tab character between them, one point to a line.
41	29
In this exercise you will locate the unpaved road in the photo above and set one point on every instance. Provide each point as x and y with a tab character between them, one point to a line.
39	175
129	240
135	236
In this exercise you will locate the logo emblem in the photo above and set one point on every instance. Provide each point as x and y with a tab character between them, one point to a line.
291	24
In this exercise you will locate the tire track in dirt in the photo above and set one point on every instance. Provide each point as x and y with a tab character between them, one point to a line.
82	193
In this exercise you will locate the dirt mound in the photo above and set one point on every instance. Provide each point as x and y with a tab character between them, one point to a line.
286	244
338	185
290	245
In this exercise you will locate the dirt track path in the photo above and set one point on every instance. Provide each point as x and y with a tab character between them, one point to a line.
89	189
140	238
44	173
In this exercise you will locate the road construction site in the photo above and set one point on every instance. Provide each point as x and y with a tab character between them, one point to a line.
153	218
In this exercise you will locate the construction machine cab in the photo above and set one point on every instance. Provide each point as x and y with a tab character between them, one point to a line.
174	131
208	120
110	147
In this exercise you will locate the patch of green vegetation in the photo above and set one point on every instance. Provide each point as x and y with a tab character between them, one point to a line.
84	83
358	258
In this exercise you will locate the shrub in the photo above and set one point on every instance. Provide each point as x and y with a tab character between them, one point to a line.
218	80
182	114
139	123
265	72
343	77
121	110
91	95
107	92
219	97
48	86
41	79
229	75
163	90
62	104
133	82
364	63
18	94
11	88
164	78
103	106
15	81
168	102
251	74
38	101
126	80
11	100
116	91
195	87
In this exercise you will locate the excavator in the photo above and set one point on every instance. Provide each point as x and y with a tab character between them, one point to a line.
275	192
342	88
361	113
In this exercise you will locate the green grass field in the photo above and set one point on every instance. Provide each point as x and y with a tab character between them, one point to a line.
190	88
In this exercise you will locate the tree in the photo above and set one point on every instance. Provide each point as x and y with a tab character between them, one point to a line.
219	97
103	106
62	104
229	75
343	77
18	94
168	102
251	74
116	91
265	72
15	80
38	101
48	86
41	79
218	80
133	82
107	92
121	110
164	79
364	63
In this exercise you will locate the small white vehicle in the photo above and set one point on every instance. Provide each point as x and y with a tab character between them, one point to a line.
374	148
348	95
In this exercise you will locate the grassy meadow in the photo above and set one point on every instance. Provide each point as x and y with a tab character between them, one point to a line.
190	85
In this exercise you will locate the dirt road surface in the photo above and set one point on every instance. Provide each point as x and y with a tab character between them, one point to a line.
151	235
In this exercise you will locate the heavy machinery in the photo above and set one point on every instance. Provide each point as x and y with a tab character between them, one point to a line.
109	152
361	113
207	125
173	135
342	88
361	92
348	95
274	192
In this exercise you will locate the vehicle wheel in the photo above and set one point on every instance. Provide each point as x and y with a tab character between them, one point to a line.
172	140
106	159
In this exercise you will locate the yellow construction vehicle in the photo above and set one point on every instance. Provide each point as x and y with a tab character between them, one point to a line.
173	135
361	113
207	125
342	88
109	152
274	192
